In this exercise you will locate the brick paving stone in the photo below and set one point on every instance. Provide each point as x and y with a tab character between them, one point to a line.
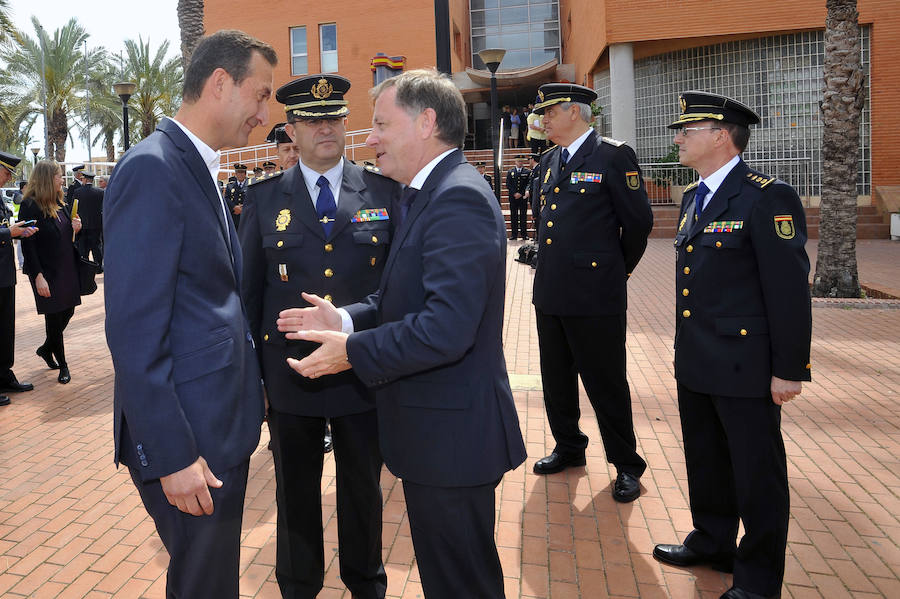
71	525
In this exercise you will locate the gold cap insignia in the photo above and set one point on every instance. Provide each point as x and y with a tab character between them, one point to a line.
683	104
283	220
541	95
322	89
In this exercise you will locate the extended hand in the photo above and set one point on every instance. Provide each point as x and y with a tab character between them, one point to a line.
17	230
323	316
784	391
76	224
188	489
330	358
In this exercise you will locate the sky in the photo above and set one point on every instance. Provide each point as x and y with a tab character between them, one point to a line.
110	23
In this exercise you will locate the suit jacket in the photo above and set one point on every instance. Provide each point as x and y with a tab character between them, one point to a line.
90	206
517	181
187	382
595	222
281	233
435	357
743	309
7	254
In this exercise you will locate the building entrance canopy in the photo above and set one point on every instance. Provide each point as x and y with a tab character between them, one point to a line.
514	87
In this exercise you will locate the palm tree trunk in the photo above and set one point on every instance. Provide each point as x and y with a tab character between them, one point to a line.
836	269
109	141
58	132
190	21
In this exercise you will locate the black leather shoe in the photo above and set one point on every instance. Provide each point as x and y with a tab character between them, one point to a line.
328	444
64	376
15	385
679	555
47	355
736	593
627	488
4	401
557	462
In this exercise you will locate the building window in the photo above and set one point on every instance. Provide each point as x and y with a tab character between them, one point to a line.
328	47
527	29
299	56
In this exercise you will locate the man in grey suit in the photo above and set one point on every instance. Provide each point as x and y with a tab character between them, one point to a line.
188	398
429	341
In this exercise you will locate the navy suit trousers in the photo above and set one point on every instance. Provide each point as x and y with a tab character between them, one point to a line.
204	551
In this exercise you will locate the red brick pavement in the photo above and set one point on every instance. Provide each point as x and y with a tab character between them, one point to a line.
71	525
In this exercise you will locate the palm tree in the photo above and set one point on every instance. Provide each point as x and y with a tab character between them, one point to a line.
6	26
190	21
836	269
63	64
158	81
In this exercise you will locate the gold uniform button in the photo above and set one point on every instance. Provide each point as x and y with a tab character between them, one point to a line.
594	265
329	247
582	190
280	243
549	241
743	332
556	190
718	244
549	223
687	270
808	366
552	206
266	337
328	297
686	313
543	197
374	239
329	273
685	292
689	249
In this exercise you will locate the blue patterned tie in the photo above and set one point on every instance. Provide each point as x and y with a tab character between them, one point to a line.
325	206
699	195
564	158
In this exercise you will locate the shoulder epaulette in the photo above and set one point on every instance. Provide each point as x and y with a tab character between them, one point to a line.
264	177
611	141
691	186
553	147
373	169
759	179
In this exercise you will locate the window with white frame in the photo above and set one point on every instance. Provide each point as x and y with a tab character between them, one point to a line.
299	54
328	47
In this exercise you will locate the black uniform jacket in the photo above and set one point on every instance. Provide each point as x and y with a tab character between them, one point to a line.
7	254
90	206
517	182
285	252
742	293
594	226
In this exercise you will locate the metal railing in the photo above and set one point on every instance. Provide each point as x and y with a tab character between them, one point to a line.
665	181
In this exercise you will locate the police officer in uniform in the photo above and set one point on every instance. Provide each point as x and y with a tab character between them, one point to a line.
742	338
594	226
516	185
322	226
8	380
533	191
90	209
234	192
287	150
76	183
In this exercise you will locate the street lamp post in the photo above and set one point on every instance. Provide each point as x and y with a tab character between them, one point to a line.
124	91
34	152
491	58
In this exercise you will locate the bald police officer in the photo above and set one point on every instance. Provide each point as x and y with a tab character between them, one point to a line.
322	226
594	226
742	337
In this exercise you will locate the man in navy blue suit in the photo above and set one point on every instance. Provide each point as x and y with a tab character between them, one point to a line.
429	341
188	398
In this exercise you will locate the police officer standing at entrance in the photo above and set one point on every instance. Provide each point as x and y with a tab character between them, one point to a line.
322	226
742	337
594	226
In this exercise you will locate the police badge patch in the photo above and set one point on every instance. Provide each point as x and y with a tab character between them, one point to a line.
283	220
784	226
632	181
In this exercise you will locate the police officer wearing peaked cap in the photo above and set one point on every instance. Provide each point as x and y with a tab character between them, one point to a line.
742	339
595	220
322	227
287	150
234	193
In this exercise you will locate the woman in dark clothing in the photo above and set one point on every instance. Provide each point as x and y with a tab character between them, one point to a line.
51	260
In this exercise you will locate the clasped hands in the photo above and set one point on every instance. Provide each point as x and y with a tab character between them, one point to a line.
320	323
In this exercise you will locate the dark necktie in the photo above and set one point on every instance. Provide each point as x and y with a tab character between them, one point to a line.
563	159
699	196
325	206
406	200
